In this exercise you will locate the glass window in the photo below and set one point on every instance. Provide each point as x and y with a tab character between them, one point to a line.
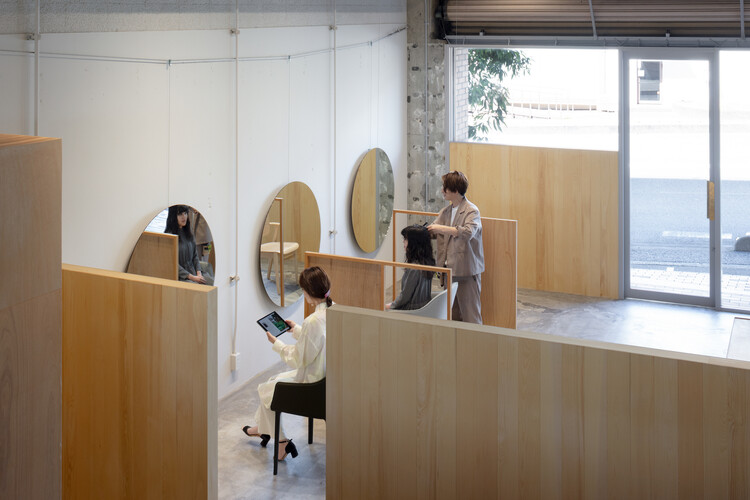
564	98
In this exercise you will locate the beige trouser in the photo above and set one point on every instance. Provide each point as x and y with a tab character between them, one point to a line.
265	417
468	305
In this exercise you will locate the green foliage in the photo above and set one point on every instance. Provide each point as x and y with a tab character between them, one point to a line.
488	98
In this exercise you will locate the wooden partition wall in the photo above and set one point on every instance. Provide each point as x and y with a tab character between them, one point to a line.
30	317
499	279
359	282
422	408
566	204
139	387
155	254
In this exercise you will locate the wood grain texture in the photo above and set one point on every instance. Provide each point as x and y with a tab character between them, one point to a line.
365	203
566	205
450	410
155	254
139	387
499	279
31	204
30	317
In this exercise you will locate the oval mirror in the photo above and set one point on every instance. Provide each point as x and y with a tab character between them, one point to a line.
176	244
291	228
372	200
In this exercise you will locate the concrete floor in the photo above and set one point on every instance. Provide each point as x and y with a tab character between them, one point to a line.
246	469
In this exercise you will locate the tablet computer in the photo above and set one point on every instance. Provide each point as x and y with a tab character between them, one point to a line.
273	323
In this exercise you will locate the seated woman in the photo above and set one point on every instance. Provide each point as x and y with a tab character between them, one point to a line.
416	285
189	263
307	357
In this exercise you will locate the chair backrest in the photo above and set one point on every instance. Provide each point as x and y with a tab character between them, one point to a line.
307	400
435	308
271	232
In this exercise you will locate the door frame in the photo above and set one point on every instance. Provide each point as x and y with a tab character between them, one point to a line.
712	56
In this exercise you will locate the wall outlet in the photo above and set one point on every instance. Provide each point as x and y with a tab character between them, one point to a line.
233	361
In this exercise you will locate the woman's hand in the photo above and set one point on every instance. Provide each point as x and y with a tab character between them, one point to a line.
197	278
388	305
291	323
271	338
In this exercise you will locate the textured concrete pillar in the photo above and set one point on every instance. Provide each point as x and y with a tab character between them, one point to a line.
426	130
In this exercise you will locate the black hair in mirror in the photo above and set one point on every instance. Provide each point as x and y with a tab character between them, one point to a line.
173	227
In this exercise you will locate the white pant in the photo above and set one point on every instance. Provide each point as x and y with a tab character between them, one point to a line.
265	417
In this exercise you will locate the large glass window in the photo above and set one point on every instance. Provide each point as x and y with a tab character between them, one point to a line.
565	98
735	179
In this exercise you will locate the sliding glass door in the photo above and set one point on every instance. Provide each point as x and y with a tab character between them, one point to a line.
670	145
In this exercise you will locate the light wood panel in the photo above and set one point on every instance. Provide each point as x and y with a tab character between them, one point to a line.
30	317
31	205
354	282
155	254
365	203
566	205
499	279
139	387
427	408
301	218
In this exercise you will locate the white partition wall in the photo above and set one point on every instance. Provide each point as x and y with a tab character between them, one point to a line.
171	107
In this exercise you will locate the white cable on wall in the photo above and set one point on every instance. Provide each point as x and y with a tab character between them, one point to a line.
236	170
37	35
332	206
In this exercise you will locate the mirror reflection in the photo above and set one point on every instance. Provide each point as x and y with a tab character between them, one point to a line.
372	200
176	244
291	228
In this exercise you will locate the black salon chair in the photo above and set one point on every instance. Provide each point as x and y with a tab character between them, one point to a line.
306	400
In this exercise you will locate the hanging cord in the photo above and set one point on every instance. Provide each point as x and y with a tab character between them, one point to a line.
236	169
37	35
426	105
332	207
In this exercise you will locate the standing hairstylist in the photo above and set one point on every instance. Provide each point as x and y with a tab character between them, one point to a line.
459	246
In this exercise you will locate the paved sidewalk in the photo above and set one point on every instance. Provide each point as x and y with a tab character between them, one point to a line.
735	290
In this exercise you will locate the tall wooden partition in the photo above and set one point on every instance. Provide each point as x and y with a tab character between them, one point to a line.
422	408
499	279
155	254
30	317
139	387
566	204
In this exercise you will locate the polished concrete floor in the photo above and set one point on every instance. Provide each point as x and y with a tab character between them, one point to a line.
246	469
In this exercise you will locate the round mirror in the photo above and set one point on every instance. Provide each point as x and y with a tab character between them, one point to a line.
176	244
291	228
372	200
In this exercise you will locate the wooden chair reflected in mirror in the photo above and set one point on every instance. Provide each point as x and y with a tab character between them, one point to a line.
291	228
276	250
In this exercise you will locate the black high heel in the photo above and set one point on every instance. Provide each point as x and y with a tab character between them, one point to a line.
264	438
290	448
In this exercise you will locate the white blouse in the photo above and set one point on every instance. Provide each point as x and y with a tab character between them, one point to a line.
308	355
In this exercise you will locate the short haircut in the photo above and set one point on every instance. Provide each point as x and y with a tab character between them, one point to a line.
456	181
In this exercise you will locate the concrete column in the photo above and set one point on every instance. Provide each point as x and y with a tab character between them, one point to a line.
426	155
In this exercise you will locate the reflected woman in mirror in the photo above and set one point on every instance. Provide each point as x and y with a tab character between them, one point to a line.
416	285
189	264
307	357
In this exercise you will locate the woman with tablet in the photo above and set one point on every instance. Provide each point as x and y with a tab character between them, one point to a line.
307	357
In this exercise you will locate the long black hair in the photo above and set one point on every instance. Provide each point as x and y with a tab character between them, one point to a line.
173	227
418	247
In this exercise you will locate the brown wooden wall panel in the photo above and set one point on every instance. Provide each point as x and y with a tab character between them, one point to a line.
155	255
31	206
353	282
30	317
566	205
139	387
449	410
499	279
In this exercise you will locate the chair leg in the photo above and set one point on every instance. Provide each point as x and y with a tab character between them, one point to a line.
276	444
309	430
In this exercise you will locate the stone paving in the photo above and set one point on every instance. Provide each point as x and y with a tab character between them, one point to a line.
735	289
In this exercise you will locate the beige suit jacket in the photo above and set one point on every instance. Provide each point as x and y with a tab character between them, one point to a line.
464	253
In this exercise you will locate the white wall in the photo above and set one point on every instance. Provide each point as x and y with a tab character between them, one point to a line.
140	134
